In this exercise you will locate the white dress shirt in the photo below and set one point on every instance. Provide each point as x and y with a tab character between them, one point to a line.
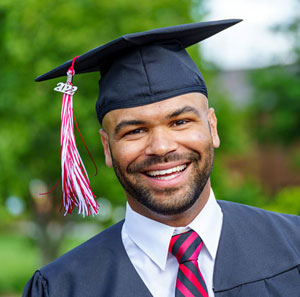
147	241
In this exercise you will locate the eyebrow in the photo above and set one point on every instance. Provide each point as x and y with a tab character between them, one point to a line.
177	112
126	123
184	109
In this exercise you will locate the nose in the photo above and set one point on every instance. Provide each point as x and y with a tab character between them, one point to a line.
160	142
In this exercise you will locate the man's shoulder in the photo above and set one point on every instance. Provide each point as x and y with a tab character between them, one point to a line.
255	247
261	229
98	267
102	246
238	210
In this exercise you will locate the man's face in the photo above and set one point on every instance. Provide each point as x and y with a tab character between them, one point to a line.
163	152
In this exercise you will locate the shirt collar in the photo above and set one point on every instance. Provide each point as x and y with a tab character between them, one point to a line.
153	237
208	224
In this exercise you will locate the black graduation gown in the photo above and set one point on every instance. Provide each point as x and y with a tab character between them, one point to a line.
258	256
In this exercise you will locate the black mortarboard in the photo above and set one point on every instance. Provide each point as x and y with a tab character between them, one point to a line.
146	67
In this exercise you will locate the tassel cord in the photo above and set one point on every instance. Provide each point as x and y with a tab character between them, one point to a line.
75	182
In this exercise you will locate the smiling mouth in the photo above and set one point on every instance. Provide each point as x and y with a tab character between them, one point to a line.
166	174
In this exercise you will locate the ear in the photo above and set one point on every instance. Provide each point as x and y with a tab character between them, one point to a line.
105	143
212	121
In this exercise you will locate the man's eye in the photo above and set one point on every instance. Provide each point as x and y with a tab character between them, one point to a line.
180	122
135	131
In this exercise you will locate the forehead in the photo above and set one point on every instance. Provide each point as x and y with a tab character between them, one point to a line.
156	110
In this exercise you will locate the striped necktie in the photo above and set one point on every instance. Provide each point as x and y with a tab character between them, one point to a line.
186	248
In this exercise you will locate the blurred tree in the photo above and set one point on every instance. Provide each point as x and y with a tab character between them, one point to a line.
274	118
248	168
286	201
276	105
36	36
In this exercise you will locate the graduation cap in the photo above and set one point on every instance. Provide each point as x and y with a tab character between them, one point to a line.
136	69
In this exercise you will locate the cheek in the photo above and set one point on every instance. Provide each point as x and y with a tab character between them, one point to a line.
126	153
197	139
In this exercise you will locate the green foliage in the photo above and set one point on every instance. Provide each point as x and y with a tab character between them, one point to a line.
13	276
17	269
291	29
235	142
234	186
232	124
286	201
276	105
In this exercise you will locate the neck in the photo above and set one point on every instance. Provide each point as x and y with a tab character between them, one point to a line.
178	220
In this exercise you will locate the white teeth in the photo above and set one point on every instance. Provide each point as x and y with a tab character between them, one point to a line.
167	176
176	169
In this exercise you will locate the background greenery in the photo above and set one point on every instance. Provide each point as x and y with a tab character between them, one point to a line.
36	36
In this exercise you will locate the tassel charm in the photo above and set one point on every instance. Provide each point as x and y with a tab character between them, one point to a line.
75	181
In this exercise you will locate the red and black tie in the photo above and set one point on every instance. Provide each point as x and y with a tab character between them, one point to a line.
186	248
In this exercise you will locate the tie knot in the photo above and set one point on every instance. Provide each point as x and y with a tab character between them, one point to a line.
186	246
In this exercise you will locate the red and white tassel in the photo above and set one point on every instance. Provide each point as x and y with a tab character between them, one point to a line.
75	181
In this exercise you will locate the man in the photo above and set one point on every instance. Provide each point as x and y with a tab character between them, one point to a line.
159	135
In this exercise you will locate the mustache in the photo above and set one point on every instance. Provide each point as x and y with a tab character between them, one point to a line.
171	157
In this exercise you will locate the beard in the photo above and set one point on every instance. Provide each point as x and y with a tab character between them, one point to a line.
174	201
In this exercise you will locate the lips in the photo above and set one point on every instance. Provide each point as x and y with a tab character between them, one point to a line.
166	174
